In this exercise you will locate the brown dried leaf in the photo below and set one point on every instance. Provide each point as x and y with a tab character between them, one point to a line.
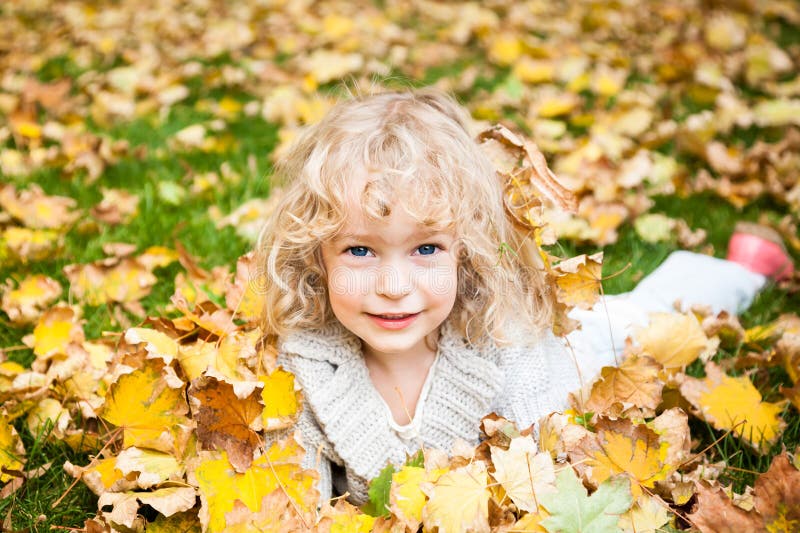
634	383
716	513
777	495
118	206
110	280
225	421
529	180
36	210
276	514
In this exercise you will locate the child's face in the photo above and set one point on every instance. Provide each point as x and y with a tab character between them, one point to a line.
392	267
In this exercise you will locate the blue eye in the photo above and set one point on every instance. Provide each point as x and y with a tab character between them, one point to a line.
362	251
360	248
431	247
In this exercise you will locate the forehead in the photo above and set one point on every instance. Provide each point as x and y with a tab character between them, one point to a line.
375	203
399	225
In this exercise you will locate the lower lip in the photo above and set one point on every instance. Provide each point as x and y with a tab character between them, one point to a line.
394	323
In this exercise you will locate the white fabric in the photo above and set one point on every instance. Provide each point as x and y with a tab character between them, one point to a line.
686	277
411	430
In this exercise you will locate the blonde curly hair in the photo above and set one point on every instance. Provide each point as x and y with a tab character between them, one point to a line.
415	140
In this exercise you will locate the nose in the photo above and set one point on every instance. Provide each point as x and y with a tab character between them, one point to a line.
394	280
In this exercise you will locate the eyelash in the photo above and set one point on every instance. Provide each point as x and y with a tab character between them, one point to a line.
418	247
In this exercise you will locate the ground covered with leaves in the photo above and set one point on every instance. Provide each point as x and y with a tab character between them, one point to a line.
136	144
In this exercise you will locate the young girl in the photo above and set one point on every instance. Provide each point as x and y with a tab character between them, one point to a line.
408	305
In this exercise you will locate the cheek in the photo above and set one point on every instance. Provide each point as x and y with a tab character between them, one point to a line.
346	286
442	281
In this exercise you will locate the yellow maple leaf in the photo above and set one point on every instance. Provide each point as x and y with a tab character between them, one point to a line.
118	206
607	81
672	339
49	412
326	65
157	344
244	296
100	354
207	315
145	407
733	403
406	498
223	357
186	522
346	518
604	219
157	256
531	523
624	448
672	427
534	71
26	244
552	103
57	327
100	476
725	32
25	303
648	514
458	501
152	467
524	472
281	401
11	451
578	280
505	49
8	371
279	468
166	500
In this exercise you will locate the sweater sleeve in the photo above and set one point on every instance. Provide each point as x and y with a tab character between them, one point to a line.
537	378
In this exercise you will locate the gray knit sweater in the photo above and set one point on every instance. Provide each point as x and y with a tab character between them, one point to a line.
344	424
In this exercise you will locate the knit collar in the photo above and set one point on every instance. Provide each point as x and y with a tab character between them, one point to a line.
352	414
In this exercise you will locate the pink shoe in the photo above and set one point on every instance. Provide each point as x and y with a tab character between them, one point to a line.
760	249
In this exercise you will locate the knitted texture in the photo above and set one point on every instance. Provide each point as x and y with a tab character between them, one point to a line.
344	420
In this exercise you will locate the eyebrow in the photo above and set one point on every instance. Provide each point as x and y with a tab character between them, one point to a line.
417	234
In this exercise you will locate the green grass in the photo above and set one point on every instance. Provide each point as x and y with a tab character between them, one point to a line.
50	499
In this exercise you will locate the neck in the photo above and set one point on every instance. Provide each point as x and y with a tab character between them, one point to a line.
401	365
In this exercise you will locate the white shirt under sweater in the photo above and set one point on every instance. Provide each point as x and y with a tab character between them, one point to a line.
346	422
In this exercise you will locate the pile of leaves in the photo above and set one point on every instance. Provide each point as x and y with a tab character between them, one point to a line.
178	407
183	409
182	414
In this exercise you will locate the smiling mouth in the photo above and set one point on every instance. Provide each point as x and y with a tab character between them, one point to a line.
394	316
